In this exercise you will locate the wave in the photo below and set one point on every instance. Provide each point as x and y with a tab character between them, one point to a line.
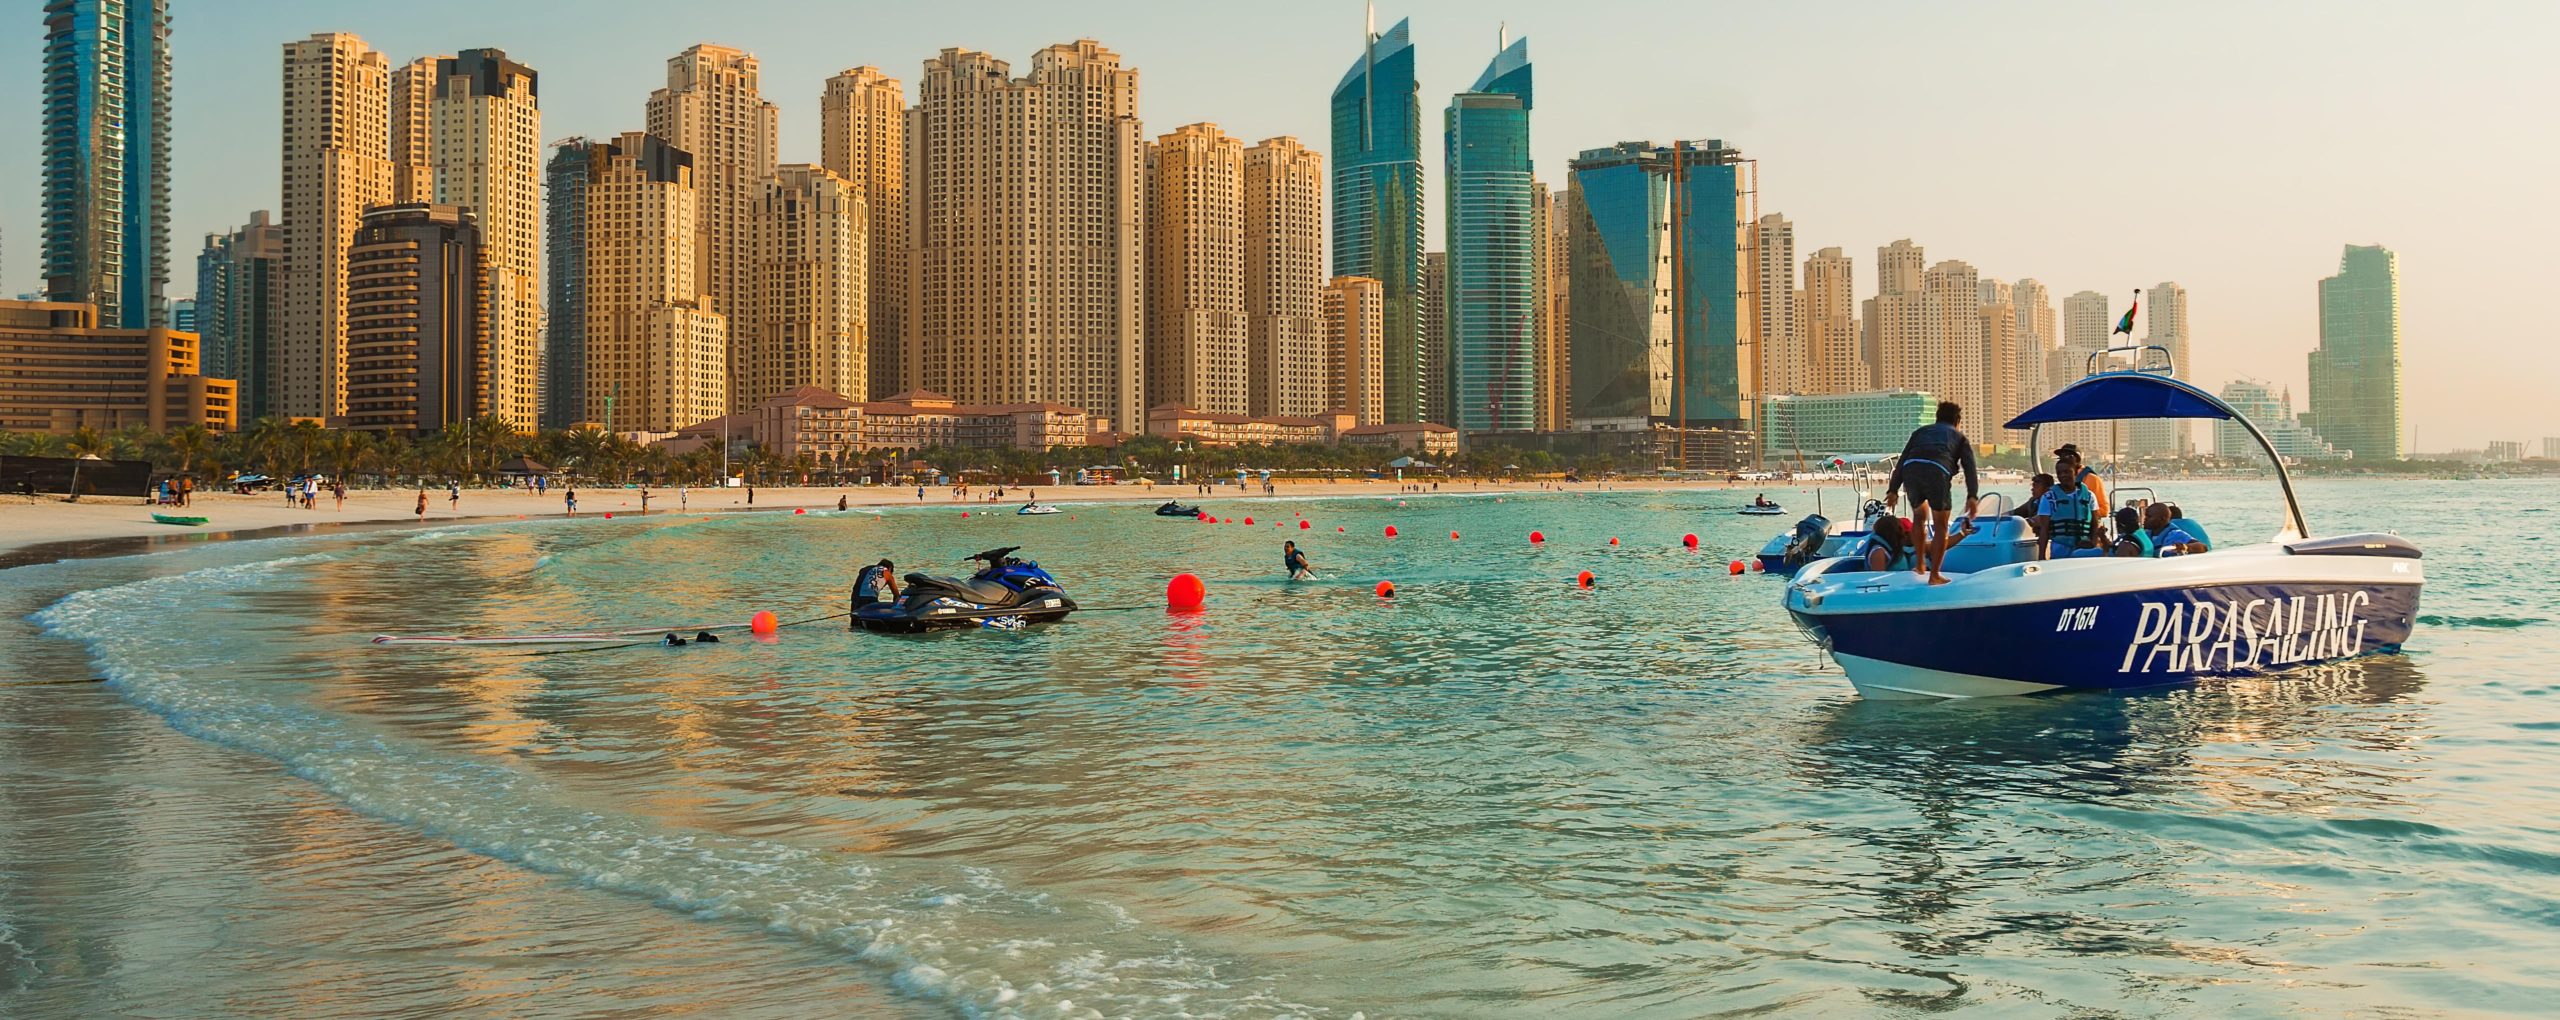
2503	622
955	936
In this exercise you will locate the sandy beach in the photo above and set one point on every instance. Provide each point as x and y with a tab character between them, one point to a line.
26	524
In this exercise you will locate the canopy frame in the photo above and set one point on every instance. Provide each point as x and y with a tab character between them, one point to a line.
2294	520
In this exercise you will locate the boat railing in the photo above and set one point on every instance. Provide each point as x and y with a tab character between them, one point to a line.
2168	365
2148	496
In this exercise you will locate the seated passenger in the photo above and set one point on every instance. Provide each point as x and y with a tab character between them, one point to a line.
2160	528
2131	540
2066	516
1888	547
2178	519
2036	488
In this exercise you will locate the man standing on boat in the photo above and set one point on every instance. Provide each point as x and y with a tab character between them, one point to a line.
1928	467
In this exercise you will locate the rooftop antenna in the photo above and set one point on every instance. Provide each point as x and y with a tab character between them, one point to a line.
1373	20
1502	37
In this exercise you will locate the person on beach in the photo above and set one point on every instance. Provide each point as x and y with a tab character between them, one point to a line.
873	582
751	495
453	496
842	502
187	491
422	506
1295	560
684	497
1928	467
644	501
572	500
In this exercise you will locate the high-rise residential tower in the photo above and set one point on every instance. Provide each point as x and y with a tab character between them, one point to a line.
417	320
1547	357
2037	333
1027	246
239	279
1196	337
712	108
1951	333
1355	322
1493	285
2086	322
1827	312
1659	239
2000	361
862	136
1784	365
413	165
337	164
1377	201
1432	301
486	127
106	157
657	359
2355	372
800	321
2164	308
1283	274
1903	359
1557	413
564	279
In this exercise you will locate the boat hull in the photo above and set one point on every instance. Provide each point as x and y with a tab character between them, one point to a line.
2134	637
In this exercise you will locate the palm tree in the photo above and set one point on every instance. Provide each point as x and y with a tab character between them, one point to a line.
187	444
85	442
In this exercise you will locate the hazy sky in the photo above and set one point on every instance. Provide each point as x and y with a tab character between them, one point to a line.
2232	146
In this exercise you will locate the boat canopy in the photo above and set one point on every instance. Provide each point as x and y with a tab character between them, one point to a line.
2120	395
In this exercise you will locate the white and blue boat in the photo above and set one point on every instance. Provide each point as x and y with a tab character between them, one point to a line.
2009	622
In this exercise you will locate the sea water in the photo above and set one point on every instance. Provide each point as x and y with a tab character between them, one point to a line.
1495	794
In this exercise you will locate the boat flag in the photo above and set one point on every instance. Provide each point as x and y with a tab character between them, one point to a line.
2125	325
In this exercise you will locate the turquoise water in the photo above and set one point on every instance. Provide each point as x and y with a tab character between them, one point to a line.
1495	795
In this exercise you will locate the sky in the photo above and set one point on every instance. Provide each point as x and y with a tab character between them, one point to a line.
2234	148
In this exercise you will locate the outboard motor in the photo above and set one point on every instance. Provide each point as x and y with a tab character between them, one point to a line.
1806	546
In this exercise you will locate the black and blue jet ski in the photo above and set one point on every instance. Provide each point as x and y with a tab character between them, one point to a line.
1173	509
1005	594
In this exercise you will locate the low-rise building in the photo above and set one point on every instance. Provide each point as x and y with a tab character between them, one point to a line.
1418	437
832	428
1183	424
1873	422
59	372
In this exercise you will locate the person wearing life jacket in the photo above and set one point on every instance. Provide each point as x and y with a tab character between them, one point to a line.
874	582
1888	547
2153	533
2067	463
2067	515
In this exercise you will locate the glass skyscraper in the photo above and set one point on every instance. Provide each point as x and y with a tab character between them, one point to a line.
1377	201
1655	236
106	157
564	274
1492	248
2355	372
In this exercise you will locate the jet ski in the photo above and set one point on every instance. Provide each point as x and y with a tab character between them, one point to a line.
1172	509
1035	510
1762	510
1005	594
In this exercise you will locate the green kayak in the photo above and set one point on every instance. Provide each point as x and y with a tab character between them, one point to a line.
192	522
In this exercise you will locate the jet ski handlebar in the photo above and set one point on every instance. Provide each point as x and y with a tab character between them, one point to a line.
992	557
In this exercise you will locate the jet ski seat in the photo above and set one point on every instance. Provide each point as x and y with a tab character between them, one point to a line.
969	588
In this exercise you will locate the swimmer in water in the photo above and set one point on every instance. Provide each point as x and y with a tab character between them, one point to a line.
1295	561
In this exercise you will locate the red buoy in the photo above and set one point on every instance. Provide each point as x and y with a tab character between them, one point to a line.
1582	580
1185	593
1689	540
763	622
798	512
1248	520
1302	525
1386	589
1735	567
964	513
1453	536
608	515
1537	538
1613	540
1391	531
1337	527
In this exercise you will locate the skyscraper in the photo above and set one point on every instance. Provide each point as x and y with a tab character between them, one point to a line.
417	319
1659	242
712	108
106	157
862	136
1196	338
337	164
413	165
1283	274
2000	362
1432	302
1377	200
564	278
1006	314
1784	365
1547	359
1903	359
486	127
1355	318
239	279
1493	288
1828	314
2355	372
800	321
1951	331
2165	308
2036	335
1556	413
2086	324
657	359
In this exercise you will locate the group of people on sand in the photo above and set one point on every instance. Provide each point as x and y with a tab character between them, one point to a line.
2066	509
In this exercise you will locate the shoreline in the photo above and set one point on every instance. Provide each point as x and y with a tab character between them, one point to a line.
50	529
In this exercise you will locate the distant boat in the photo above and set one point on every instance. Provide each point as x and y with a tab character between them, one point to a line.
192	522
1035	509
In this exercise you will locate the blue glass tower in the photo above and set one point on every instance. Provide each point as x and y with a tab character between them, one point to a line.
1377	201
1654	235
106	157
1492	238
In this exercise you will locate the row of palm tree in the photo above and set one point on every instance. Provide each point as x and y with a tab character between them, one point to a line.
479	450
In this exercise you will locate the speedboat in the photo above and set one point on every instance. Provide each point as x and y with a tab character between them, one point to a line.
2008	622
1035	510
1005	594
1814	538
1171	509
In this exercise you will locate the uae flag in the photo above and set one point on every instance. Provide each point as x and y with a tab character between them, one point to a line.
2125	325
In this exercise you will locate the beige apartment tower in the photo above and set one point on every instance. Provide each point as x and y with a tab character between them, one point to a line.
337	164
1355	323
1196	338
1283	274
2164	310
2000	341
1558	303
800	322
486	123
1951	334
413	167
1827	312
713	109
1900	346
1550	384
862	136
1783	365
657	359
1027	195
